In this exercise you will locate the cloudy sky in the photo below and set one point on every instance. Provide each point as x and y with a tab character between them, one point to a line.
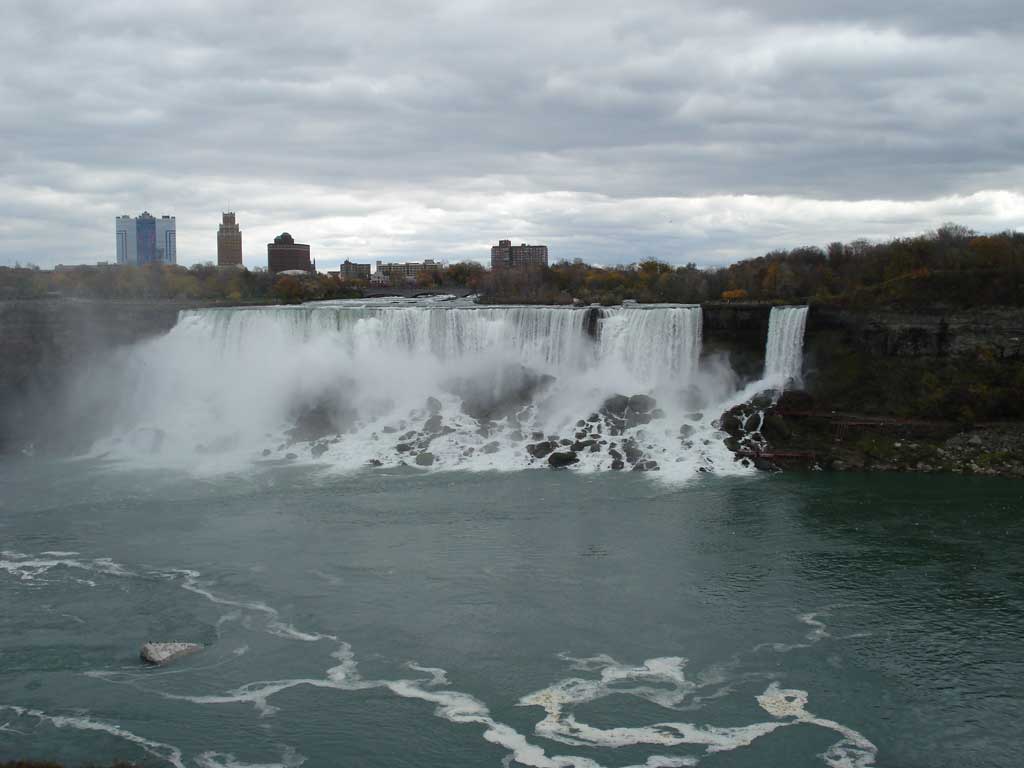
612	131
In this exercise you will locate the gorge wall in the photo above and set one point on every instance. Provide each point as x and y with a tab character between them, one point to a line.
44	341
964	366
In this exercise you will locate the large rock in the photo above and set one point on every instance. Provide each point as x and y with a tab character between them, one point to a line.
634	419
540	450
616	405
776	429
425	459
732	420
501	392
327	417
163	653
646	465
562	459
795	400
632	450
642	403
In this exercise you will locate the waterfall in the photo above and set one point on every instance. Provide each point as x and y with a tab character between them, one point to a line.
657	343
425	383
544	336
784	353
654	344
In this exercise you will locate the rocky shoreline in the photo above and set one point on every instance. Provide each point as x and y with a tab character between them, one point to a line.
795	433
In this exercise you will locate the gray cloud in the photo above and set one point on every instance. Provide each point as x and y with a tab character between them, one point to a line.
685	131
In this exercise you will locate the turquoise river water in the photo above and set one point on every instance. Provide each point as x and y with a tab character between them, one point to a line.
395	618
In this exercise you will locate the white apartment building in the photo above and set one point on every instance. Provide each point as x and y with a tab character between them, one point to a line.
400	273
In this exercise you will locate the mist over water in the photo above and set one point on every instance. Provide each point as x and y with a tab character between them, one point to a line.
345	384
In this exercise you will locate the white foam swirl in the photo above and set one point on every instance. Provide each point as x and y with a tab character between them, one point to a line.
166	752
662	681
289	759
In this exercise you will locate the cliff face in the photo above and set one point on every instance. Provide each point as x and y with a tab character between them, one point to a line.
739	333
998	330
898	391
962	366
42	342
881	333
958	366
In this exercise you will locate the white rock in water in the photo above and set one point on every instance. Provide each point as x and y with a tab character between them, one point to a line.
161	653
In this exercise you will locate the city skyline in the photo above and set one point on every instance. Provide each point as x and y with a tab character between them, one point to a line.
230	252
685	131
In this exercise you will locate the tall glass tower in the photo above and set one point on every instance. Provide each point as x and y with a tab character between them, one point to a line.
145	239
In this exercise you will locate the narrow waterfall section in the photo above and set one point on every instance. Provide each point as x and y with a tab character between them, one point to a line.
431	385
784	353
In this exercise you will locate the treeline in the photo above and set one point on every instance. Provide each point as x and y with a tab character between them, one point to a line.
463	274
164	281
952	265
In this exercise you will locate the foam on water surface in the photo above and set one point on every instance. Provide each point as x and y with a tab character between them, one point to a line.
662	681
166	752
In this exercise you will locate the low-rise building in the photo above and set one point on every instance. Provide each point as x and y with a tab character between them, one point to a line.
285	254
99	266
349	271
504	255
402	273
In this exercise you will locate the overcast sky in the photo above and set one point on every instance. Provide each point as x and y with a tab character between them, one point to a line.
611	131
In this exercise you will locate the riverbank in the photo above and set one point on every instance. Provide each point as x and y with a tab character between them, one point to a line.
795	434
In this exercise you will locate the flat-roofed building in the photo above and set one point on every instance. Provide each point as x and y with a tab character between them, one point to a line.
504	255
349	271
229	242
402	273
145	239
284	254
